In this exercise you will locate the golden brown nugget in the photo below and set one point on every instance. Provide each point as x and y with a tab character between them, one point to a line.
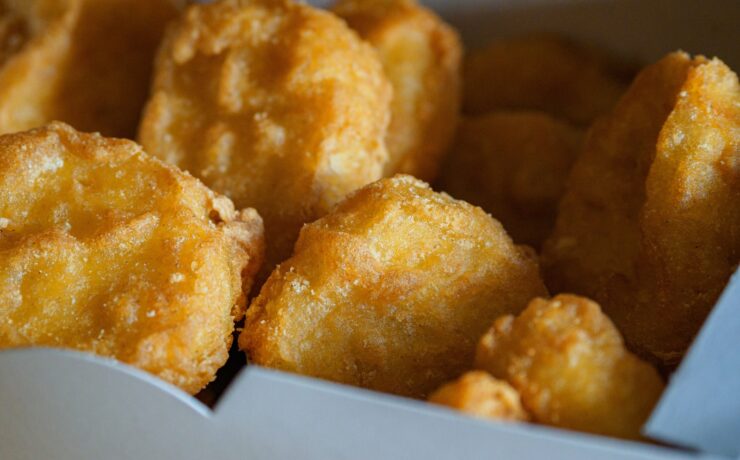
549	74
276	104
85	62
514	165
649	223
107	250
478	394
568	362
421	55
691	215
390	291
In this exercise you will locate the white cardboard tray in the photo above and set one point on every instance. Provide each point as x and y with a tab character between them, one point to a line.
67	405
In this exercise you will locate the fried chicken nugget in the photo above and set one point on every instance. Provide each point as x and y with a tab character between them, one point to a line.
650	221
78	61
421	55
514	165
478	394
568	362
107	250
390	291
543	73
276	104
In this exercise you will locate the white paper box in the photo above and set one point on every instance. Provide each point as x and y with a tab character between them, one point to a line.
701	407
66	405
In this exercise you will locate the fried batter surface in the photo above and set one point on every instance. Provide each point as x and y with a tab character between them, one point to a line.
649	225
421	55
478	394
85	62
107	250
275	104
390	291
568	362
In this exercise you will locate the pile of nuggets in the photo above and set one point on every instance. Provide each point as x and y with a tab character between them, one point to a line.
289	149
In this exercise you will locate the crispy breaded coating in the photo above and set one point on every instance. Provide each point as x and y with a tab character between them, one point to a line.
421	56
85	62
276	104
107	250
571	368
691	215
650	221
514	165
543	73
478	394
390	291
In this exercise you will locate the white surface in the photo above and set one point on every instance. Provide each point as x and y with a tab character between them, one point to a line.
73	406
701	407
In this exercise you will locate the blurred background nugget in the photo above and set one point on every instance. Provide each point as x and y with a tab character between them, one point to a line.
527	101
390	291
570	366
650	222
85	62
545	73
421	56
276	104
107	250
514	165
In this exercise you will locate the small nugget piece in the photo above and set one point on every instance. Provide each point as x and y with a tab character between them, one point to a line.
107	250
568	362
478	394
514	165
649	224
276	104
541	73
421	56
85	62
390	291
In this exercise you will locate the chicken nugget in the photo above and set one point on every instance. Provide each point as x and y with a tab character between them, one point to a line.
78	61
276	104
568	362
421	55
478	394
649	225
107	250
390	291
514	165
544	73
